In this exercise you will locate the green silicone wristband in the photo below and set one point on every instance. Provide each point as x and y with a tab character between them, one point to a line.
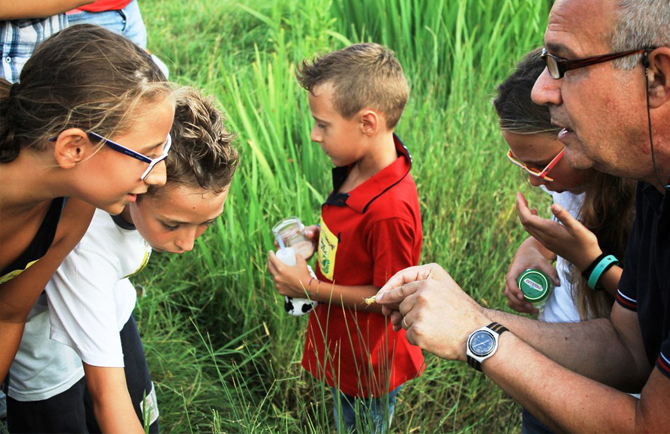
597	272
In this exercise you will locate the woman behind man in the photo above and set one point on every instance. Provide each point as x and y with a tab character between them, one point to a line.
595	209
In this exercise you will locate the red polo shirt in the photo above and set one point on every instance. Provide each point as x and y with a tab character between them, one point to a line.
367	235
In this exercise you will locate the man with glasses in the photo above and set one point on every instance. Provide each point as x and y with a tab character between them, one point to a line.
607	85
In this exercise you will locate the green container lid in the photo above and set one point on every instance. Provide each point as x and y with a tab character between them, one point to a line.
535	285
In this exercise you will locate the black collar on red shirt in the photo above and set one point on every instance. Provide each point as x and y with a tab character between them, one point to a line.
362	196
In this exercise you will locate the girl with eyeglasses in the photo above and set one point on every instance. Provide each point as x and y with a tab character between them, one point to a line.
83	90
593	214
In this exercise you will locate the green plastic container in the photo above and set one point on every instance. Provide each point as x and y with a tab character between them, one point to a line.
536	287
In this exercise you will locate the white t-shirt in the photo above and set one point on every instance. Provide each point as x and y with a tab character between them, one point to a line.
42	367
89	302
560	306
88	305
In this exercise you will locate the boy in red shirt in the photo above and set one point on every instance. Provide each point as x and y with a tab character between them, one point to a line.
370	229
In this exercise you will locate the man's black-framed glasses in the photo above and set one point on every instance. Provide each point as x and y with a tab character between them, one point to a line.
558	66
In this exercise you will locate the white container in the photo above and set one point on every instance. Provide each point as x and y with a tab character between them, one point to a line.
295	306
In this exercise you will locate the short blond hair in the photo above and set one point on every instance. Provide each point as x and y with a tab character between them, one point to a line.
362	75
202	153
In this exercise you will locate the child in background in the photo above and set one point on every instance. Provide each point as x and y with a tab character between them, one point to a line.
120	16
80	82
22	27
91	300
370	229
593	212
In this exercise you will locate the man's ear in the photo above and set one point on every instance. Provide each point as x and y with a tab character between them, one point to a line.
72	146
658	71
370	122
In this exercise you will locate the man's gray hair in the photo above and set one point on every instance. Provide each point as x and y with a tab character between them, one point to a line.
640	24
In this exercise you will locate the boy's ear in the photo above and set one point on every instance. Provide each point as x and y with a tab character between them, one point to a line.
72	146
658	71
370	122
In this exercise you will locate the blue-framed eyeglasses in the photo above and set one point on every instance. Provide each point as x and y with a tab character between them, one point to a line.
152	162
129	152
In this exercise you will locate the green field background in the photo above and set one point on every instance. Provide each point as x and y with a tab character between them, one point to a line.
223	355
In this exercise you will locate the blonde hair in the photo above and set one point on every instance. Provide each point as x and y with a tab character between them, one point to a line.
362	75
81	77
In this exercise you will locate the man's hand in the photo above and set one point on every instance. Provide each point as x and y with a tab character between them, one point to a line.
436	313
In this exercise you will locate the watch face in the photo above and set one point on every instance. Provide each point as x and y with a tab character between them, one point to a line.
481	343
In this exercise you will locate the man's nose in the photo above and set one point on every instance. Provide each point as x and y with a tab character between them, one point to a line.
547	90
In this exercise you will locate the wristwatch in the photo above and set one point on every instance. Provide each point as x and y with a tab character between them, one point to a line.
483	343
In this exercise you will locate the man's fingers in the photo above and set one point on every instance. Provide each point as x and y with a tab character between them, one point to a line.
397	295
411	274
396	319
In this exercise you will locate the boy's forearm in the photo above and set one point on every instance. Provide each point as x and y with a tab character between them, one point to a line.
111	401
343	295
38	8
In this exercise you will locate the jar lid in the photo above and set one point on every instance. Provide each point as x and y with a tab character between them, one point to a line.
535	285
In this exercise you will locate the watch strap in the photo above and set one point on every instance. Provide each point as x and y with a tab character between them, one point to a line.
496	328
474	363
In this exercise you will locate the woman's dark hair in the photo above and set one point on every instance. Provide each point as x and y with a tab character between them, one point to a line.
81	77
517	112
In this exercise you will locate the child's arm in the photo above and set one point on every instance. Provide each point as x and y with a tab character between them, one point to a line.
18	295
112	405
570	239
296	282
38	8
531	254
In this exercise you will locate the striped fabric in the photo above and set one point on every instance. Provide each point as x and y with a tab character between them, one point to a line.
663	363
18	39
625	301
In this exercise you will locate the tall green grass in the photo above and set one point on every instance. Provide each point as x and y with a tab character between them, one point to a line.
224	356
